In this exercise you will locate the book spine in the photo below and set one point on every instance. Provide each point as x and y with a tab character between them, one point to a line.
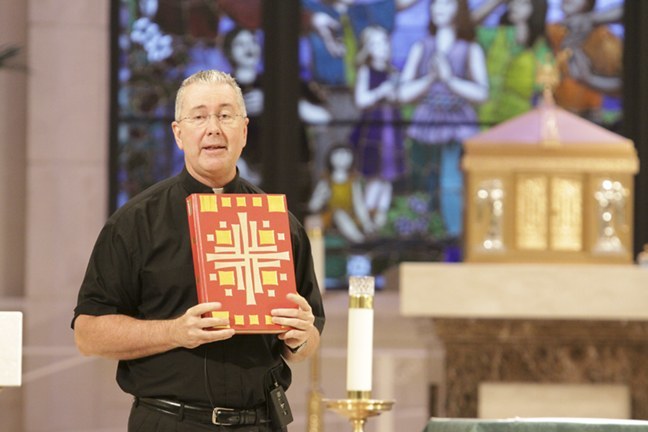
193	211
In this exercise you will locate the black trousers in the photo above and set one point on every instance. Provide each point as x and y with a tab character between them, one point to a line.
145	419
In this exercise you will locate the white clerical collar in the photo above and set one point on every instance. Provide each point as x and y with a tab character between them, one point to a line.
218	190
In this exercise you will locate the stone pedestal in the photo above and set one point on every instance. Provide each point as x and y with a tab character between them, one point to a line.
542	351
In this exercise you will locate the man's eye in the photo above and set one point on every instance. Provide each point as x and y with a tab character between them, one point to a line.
199	117
225	116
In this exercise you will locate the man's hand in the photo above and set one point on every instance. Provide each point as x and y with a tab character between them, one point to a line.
122	337
192	329
302	328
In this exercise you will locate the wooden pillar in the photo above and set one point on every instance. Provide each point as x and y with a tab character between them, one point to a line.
635	101
281	144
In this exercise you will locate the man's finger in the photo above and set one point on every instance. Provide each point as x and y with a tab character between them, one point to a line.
214	322
203	308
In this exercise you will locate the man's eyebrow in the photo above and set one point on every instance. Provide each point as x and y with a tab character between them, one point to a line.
221	106
198	107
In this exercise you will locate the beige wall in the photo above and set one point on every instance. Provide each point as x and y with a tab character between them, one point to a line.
53	196
13	85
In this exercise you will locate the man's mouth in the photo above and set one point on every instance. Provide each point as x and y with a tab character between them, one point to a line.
213	147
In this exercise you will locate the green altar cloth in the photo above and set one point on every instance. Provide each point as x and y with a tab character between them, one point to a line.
536	425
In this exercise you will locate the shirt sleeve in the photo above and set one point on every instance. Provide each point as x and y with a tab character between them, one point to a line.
110	282
307	285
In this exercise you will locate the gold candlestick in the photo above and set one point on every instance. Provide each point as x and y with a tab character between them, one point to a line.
315	418
315	232
358	410
359	406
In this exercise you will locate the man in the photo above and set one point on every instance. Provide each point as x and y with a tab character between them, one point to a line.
138	301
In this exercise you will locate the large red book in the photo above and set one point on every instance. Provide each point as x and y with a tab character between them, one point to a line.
242	255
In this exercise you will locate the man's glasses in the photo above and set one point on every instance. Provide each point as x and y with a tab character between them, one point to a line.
200	120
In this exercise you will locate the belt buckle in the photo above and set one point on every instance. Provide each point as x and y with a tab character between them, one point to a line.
216	411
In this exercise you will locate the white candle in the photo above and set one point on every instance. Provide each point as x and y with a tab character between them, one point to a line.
360	336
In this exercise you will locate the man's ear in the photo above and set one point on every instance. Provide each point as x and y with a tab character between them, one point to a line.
177	135
245	132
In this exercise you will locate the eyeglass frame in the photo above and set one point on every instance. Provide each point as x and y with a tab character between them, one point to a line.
193	118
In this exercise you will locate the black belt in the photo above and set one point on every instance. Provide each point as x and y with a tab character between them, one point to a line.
218	415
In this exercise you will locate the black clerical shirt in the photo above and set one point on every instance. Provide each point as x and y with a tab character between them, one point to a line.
142	266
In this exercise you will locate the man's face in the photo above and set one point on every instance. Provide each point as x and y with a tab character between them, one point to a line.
212	149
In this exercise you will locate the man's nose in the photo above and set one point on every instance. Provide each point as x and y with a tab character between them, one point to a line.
213	123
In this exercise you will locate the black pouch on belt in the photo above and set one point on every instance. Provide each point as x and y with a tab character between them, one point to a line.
278	406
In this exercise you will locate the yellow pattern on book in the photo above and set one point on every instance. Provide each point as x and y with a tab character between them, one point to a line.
239	320
266	237
241	201
208	203
276	204
254	319
269	278
226	201
268	319
257	202
223	237
226	277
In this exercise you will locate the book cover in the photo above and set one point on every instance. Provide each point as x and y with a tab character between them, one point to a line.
242	254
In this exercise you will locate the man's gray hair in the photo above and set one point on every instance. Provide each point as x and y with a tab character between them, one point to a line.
211	76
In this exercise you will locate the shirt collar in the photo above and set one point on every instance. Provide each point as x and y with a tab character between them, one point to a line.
191	185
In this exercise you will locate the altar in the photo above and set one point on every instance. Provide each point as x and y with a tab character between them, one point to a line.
526	324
